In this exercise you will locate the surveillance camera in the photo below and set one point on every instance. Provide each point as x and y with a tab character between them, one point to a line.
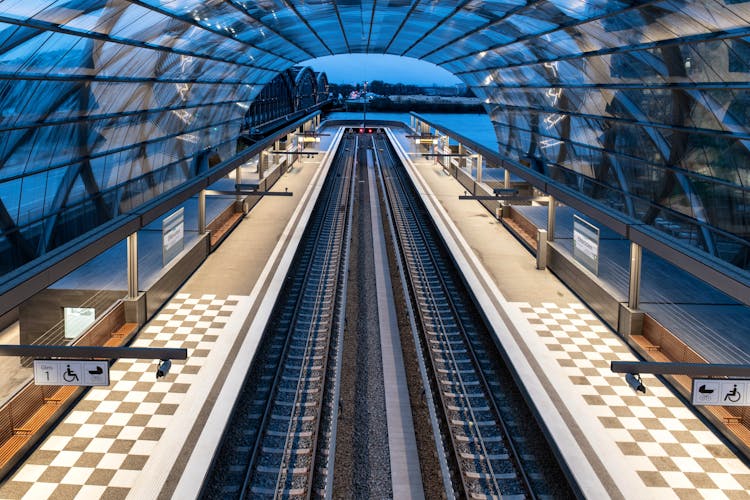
634	381
163	369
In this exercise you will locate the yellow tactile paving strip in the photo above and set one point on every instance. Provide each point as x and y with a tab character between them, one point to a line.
670	449
102	446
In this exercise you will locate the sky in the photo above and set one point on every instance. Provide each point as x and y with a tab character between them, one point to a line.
354	68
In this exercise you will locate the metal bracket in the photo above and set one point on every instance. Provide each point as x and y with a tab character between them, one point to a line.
691	369
249	193
87	352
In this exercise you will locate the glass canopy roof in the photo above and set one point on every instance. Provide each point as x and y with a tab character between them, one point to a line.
641	105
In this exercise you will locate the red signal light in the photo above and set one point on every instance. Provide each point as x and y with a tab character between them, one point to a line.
361	131
369	131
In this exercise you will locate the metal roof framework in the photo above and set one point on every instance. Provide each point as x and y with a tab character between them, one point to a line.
643	106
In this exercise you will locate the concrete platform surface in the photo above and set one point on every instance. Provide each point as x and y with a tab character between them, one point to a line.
146	438
616	444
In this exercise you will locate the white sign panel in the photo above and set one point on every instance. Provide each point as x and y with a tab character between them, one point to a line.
586	244
77	320
172	235
721	392
71	372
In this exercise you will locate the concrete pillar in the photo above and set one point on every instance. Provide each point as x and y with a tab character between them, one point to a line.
541	249
506	179
262	163
238	178
461	159
202	212
133	266
479	168
551	219
634	291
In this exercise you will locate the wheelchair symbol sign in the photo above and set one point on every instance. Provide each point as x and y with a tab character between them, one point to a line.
733	392
71	372
721	392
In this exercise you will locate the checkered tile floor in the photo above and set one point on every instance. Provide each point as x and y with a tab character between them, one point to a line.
672	451
104	442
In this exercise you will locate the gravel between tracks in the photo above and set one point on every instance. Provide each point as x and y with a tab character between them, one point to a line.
362	457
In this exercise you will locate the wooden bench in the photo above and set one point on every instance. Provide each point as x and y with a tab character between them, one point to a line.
10	447
125	330
37	420
59	395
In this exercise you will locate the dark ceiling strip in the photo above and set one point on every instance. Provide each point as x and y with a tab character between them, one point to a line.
372	22
458	8
43	26
686	40
341	25
244	12
304	21
563	26
401	26
189	20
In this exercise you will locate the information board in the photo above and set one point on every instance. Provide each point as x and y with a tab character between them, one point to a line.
71	372
721	392
172	235
586	244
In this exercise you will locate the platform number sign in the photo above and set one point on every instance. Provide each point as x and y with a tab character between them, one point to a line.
71	372
721	392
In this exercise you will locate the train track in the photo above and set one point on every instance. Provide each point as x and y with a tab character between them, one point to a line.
484	457
284	421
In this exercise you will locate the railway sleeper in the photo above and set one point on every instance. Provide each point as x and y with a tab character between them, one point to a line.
265	469
298	404
476	423
289	390
298	366
281	451
463	383
475	456
454	352
301	418
438	359
303	434
453	370
288	378
302	357
292	492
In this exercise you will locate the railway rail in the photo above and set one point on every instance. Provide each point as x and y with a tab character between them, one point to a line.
271	443
281	439
485	459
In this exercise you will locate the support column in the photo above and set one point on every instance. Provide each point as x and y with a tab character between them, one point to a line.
461	159
238	178
551	219
506	179
202	212
541	249
133	266
635	276
262	163
479	168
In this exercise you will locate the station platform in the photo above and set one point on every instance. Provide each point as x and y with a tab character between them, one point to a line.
142	438
616	444
146	438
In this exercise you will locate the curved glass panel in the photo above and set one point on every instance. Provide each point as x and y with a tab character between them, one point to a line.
642	106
